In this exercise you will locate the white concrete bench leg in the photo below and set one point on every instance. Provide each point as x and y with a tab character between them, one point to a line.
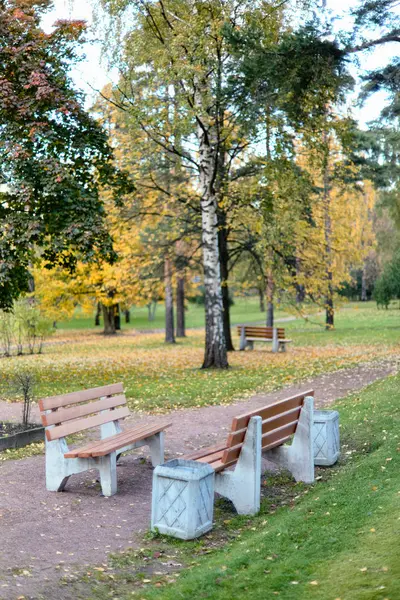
298	458
107	466
59	469
242	345
243	485
156	444
275	340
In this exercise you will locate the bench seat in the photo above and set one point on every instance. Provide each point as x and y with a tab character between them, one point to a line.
116	442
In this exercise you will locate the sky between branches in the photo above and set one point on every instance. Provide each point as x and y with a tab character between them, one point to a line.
93	73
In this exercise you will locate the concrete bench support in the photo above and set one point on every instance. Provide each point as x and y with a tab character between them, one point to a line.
298	458
243	485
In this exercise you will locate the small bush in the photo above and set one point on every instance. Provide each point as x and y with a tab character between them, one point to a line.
24	329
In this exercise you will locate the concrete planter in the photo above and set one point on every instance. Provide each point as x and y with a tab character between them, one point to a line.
21	439
183	499
326	437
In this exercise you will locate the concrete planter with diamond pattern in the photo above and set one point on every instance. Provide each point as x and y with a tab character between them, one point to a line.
183	499
326	437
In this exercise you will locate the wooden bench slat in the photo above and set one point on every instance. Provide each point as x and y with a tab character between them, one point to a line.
220	466
86	451
54	433
132	438
82	396
204	452
67	414
267	330
270	410
231	454
267	425
116	442
209	458
273	436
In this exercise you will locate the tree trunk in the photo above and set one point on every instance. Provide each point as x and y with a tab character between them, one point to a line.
300	291
270	300
364	296
109	319
98	313
330	312
270	314
180	308
215	354
261	296
127	314
117	317
169	303
224	270
151	308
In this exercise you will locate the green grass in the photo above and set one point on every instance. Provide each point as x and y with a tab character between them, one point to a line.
336	539
355	323
243	310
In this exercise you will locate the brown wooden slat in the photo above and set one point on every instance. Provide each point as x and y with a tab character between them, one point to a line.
82	396
54	433
273	436
220	466
204	451
134	438
67	414
87	450
284	418
209	458
116	442
270	410
268	330
231	454
268	440
261	334
268	425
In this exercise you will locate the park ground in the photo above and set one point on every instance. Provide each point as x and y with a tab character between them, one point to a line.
335	539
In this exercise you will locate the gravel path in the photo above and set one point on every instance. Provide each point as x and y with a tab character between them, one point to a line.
46	535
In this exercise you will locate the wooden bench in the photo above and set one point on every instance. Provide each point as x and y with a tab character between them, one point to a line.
72	413
264	430
254	333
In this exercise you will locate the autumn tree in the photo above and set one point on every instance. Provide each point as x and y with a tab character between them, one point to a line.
53	155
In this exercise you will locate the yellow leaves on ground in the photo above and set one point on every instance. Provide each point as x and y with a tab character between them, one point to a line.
158	377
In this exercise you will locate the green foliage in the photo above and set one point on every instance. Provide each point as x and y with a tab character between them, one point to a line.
388	285
53	155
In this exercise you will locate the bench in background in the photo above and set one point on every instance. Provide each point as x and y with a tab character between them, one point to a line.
264	430
102	407
254	333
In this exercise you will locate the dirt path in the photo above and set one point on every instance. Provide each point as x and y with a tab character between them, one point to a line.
45	535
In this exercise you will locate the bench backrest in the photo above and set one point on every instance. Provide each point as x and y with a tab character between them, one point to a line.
253	331
279	423
71	413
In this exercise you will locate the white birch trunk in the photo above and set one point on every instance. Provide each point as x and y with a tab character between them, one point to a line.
215	349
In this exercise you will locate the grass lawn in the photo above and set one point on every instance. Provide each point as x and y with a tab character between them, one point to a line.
159	377
337	539
244	310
